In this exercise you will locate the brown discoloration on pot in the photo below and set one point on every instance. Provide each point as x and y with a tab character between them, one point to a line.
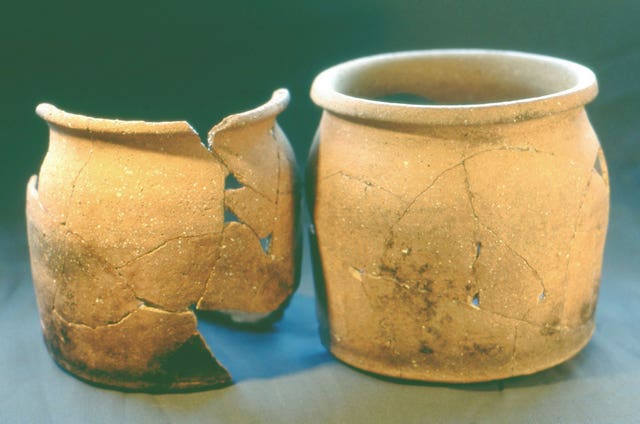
475	230
149	349
127	233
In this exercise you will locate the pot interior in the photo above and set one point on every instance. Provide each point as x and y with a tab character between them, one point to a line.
450	79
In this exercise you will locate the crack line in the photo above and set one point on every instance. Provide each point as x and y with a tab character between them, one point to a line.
486	227
367	295
389	239
363	181
572	240
535	273
250	188
73	187
213	268
276	211
415	199
510	149
531	323
163	244
109	324
231	171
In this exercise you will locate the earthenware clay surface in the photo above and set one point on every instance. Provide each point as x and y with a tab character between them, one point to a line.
133	225
458	241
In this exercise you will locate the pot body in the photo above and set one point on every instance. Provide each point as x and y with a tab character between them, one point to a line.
458	253
129	231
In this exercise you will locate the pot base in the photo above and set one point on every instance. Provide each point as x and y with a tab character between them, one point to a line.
384	367
172	379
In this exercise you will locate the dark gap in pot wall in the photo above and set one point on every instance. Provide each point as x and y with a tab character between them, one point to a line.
231	182
598	166
475	302
229	216
265	242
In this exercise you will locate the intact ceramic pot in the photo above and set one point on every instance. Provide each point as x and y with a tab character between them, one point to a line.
134	225
460	240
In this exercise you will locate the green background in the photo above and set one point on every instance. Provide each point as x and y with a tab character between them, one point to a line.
200	61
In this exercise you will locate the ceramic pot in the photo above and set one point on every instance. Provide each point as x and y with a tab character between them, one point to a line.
134	225
459	239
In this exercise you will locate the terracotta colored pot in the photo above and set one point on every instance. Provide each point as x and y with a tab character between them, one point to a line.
132	225
461	240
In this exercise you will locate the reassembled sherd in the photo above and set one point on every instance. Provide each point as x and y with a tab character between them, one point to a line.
135	225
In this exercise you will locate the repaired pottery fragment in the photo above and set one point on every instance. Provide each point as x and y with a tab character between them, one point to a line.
460	239
130	232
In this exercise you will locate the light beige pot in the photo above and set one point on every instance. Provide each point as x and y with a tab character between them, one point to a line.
462	240
133	225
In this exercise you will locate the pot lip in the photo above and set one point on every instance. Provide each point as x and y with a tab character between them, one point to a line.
325	94
270	110
59	118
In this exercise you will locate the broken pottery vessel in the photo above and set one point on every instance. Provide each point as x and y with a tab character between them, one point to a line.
132	225
459	240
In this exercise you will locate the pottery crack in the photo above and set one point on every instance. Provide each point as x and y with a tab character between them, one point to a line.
476	222
252	189
211	271
415	199
161	245
582	201
390	237
231	213
573	238
255	233
433	182
73	188
511	318
255	190
510	149
600	166
526	262
108	324
235	173
390	274
363	181
507	245
229	169
470	195
149	304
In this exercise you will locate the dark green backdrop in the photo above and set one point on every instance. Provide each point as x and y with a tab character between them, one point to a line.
200	61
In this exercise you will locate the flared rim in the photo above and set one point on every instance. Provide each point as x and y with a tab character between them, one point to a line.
76	122
568	85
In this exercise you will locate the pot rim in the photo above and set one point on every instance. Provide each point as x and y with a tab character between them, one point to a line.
326	90
59	118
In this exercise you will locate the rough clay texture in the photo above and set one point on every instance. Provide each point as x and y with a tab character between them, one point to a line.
459	253
127	234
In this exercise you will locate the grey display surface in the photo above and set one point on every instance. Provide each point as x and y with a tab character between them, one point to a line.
285	374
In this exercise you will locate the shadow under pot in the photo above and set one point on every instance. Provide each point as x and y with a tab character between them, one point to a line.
133	226
460	232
